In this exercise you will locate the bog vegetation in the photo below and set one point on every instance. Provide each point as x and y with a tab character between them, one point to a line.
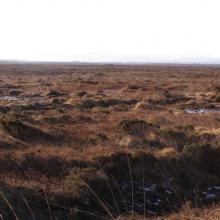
81	142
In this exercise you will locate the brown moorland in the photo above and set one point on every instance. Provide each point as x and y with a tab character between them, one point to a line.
109	141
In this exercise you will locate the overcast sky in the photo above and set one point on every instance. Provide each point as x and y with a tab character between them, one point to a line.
110	30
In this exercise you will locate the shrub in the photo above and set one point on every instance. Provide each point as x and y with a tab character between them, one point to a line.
57	101
89	103
81	181
54	93
205	157
216	98
186	127
136	127
217	88
178	138
105	103
21	130
51	166
102	136
117	165
196	151
81	93
15	93
134	87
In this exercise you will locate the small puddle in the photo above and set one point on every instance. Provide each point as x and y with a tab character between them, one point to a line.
9	98
109	91
25	100
211	193
201	110
159	197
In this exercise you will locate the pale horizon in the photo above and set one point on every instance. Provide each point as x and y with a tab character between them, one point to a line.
155	61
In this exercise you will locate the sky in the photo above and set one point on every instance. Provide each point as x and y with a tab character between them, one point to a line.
110	30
